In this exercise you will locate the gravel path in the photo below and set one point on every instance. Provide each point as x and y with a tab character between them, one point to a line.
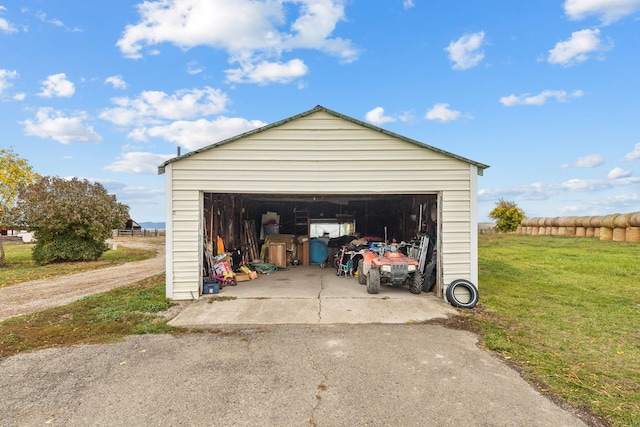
37	295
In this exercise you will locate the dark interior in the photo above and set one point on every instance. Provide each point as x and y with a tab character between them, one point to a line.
399	217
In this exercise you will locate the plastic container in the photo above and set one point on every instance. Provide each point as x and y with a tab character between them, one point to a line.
318	252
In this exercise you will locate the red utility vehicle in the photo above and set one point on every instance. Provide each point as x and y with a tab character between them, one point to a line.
389	267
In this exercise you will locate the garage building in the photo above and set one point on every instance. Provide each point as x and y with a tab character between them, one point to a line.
319	172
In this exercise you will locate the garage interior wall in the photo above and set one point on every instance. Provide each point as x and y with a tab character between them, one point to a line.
319	155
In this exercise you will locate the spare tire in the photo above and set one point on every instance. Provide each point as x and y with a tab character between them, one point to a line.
462	293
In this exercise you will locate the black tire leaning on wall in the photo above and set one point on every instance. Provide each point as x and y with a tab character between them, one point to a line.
462	293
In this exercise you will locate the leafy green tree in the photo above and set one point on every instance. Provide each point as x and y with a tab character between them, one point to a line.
14	172
71	219
507	214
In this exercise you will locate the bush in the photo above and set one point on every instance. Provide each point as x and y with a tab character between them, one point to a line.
507	214
66	248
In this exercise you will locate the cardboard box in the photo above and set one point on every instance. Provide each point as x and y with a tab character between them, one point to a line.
277	254
242	277
305	253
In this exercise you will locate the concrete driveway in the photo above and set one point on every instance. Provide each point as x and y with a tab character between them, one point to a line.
310	295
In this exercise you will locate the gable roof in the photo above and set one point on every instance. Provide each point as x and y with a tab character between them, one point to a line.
481	167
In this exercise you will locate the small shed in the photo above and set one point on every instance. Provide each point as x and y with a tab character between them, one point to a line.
319	168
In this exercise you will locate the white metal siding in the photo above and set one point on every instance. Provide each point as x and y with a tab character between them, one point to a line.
317	154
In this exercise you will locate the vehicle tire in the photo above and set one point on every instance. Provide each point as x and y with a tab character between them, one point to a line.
362	279
462	293
416	283
429	277
373	281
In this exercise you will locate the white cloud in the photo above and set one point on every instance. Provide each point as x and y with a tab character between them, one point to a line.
541	98
608	10
116	81
267	72
442	112
19	96
193	68
5	76
200	133
589	161
618	173
377	117
465	52
408	4
57	85
578	48
43	17
139	162
6	26
543	191
252	32
635	154
152	107
53	124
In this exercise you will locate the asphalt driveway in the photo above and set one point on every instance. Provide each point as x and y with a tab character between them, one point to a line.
297	348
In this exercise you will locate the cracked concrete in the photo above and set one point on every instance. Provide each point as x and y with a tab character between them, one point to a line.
310	295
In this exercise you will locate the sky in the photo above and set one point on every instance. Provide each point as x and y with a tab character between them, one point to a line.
545	92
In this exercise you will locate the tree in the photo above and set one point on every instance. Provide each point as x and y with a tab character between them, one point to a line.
71	219
14	173
507	214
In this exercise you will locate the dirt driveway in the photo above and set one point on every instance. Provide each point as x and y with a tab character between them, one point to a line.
37	295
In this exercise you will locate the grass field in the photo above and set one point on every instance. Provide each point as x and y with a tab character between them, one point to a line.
21	268
567	312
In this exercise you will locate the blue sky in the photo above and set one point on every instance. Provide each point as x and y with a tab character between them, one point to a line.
546	92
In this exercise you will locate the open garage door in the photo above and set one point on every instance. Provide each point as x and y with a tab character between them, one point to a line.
240	224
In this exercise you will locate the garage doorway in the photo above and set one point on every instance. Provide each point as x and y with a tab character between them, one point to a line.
240	224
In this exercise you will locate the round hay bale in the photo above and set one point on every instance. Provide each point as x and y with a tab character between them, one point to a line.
567	221
581	231
634	221
619	234
548	231
570	231
562	231
588	232
633	234
583	221
596	232
609	220
554	230
606	233
622	221
541	222
555	221
596	221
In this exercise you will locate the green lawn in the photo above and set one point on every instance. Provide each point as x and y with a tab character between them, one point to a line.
21	268
567	312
